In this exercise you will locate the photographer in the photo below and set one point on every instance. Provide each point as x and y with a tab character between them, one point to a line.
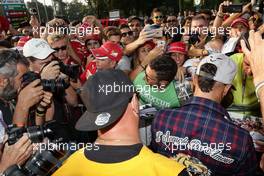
15	154
10	74
42	61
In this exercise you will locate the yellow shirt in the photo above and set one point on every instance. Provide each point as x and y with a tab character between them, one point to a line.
146	163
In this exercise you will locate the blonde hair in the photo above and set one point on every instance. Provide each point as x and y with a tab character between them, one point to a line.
56	37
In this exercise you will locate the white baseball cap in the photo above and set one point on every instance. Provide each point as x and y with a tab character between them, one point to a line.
37	48
226	68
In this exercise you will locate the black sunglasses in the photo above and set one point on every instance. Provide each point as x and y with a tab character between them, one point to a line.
171	21
160	17
60	48
130	33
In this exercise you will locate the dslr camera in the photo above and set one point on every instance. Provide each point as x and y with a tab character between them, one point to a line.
73	71
44	161
35	133
54	86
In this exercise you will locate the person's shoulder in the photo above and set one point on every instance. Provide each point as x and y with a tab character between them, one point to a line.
166	114
72	164
168	165
242	133
238	57
78	154
139	77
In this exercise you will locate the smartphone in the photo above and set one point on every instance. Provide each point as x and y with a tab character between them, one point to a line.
234	8
155	29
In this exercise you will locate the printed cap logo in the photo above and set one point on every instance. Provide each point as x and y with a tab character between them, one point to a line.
102	119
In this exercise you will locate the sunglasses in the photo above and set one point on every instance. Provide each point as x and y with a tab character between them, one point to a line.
130	33
60	48
158	17
171	21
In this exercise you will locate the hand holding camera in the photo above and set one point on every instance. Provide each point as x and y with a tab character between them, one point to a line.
31	94
50	71
15	160
17	153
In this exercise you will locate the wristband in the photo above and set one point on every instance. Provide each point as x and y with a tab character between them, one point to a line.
41	111
39	115
258	86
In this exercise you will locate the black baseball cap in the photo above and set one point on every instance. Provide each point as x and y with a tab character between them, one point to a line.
106	96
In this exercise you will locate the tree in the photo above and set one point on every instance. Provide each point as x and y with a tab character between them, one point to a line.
76	10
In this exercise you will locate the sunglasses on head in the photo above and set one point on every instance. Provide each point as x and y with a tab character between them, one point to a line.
60	48
158	17
127	34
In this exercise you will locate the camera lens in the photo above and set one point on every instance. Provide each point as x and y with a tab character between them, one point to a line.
14	171
37	133
43	162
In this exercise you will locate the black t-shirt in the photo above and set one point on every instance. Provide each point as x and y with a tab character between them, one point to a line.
6	111
116	154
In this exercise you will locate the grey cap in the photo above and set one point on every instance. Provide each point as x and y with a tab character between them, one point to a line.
226	68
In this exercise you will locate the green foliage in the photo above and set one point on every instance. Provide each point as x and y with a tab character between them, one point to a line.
75	10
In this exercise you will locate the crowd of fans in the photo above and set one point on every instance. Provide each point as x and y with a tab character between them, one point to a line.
165	95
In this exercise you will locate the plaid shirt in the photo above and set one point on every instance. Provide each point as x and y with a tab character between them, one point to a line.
201	128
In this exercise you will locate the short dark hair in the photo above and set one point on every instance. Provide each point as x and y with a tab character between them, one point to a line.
165	68
155	10
206	84
22	60
110	31
205	11
198	17
123	26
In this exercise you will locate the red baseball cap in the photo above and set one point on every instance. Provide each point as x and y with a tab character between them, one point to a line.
23	40
93	37
240	20
108	50
177	47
